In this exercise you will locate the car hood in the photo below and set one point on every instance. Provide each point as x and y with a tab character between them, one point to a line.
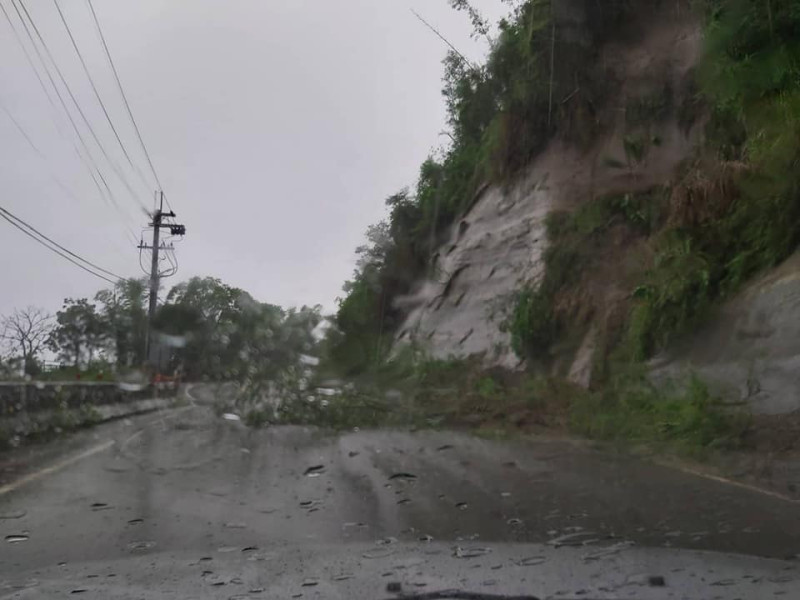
377	571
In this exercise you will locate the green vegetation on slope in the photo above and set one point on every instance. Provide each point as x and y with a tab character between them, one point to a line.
500	115
734	210
737	211
540	315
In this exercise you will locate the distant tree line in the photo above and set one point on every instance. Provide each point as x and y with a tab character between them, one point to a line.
211	331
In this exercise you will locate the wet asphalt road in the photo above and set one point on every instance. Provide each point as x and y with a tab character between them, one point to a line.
191	487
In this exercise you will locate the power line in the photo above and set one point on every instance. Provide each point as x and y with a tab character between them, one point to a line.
28	57
124	97
97	95
38	152
66	189
59	246
111	162
45	90
88	156
66	254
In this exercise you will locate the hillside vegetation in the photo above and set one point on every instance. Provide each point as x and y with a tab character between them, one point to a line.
729	212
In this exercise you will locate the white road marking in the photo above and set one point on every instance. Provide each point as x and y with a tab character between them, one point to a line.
731	482
14	485
54	468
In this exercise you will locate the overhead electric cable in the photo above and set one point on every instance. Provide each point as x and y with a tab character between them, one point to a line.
50	100
64	255
93	169
124	97
111	162
97	95
88	156
57	245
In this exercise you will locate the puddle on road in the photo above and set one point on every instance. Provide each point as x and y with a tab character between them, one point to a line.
15	538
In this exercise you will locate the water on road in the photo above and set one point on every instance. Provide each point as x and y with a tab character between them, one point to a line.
189	504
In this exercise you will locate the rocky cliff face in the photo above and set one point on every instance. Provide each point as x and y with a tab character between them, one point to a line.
749	351
498	245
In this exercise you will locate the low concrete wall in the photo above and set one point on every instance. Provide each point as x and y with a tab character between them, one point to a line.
19	398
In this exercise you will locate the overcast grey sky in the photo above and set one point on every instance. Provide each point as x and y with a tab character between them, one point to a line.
277	128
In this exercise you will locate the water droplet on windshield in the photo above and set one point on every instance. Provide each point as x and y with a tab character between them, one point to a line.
231	417
444	447
514	521
404	501
314	471
379	553
135	521
100	506
140	546
472	552
610	551
403	477
462	506
574	539
386	541
13	515
15	538
531	561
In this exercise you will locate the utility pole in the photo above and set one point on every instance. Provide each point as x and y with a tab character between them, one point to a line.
155	275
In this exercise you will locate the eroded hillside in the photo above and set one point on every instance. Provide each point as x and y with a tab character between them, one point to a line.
498	246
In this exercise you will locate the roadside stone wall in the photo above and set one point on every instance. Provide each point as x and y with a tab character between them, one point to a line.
20	398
